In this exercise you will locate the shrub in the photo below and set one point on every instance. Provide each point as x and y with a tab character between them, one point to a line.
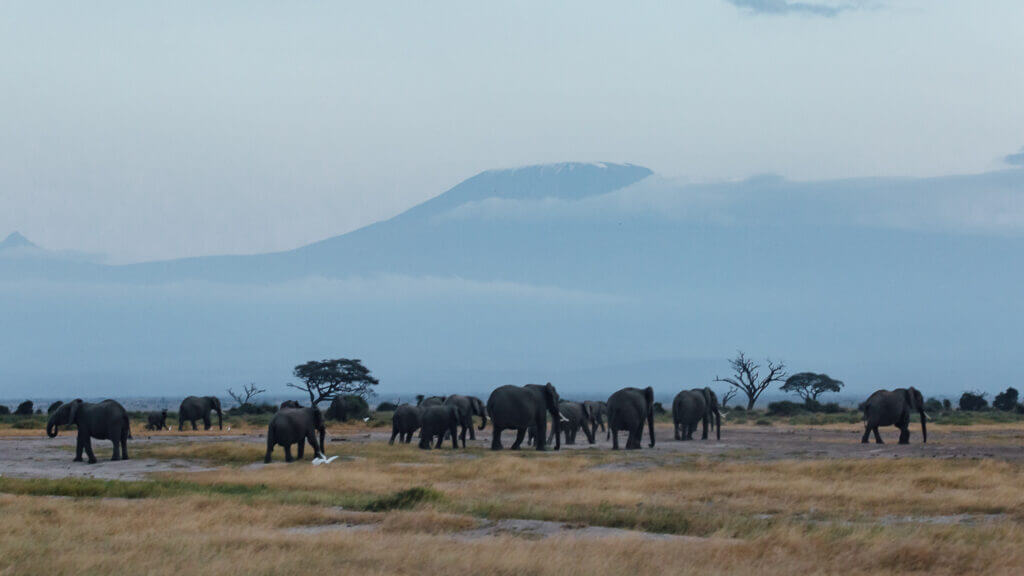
786	408
4	410
973	401
24	409
386	407
253	409
659	408
763	422
947	404
348	407
933	405
1006	400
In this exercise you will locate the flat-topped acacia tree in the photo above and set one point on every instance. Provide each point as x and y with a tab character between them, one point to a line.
325	379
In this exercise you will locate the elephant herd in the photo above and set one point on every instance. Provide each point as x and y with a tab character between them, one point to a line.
523	409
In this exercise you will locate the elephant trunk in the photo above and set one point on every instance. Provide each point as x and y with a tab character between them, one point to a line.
718	425
924	427
323	447
220	419
556	428
51	429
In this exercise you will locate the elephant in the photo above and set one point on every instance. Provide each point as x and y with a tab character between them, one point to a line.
468	406
290	404
437	421
627	410
431	401
156	420
404	422
892	408
520	408
106	420
692	406
195	408
598	415
576	416
296	426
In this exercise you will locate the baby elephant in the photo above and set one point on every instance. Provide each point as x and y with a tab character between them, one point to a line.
435	421
156	420
296	426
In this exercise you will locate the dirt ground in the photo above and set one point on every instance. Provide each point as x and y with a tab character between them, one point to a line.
41	457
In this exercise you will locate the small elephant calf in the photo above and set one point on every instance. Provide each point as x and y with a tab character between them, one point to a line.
156	420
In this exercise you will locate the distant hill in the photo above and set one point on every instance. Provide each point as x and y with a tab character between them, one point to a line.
601	275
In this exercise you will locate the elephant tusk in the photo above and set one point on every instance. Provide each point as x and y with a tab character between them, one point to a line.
562	417
927	415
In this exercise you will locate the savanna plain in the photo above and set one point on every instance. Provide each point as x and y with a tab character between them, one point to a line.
773	496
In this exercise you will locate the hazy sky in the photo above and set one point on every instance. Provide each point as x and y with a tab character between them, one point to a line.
145	130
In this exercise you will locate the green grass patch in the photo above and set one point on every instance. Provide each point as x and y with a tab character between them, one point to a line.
404	499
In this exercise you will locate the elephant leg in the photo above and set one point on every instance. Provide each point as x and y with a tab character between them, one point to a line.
394	432
878	437
424	441
462	436
519	438
441	437
318	450
867	433
124	445
300	451
496	438
206	422
675	430
117	450
905	434
704	425
615	438
79	446
472	434
194	425
408	437
270	448
88	451
288	453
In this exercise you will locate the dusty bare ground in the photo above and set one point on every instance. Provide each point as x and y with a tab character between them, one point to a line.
26	456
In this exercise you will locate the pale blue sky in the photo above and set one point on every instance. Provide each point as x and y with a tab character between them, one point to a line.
144	130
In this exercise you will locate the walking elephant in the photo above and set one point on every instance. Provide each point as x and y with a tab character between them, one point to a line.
692	406
627	410
468	406
156	420
576	416
521	407
425	402
296	426
438	421
105	420
598	414
404	422
892	408
195	408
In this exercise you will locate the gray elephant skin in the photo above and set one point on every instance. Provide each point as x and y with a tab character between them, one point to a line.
198	408
598	415
468	406
576	416
627	410
404	422
521	407
892	408
105	420
438	422
156	420
692	406
296	426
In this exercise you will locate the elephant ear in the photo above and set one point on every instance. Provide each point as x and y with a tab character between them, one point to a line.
707	397
73	411
216	403
649	397
908	394
551	396
588	412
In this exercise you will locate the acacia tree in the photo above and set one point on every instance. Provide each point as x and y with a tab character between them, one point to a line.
747	377
808	385
326	379
249	393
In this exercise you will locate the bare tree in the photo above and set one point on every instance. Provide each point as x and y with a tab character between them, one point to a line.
728	396
747	377
249	393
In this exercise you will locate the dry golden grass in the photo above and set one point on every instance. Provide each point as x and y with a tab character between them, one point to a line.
170	536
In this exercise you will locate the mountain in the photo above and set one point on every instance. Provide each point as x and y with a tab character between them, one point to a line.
600	275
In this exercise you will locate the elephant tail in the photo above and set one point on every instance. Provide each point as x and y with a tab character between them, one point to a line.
128	426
